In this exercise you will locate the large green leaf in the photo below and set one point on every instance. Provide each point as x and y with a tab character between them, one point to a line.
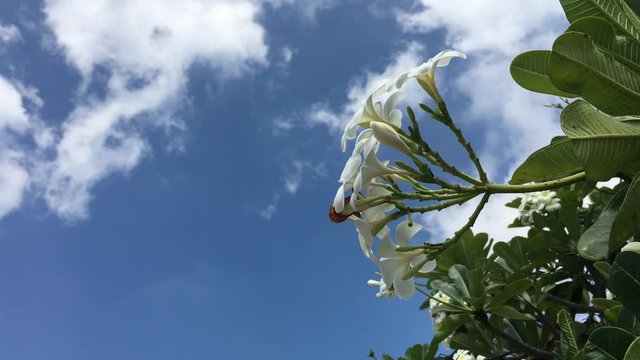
529	70
608	343
604	144
594	242
568	340
613	11
621	47
509	312
577	65
553	161
633	352
625	279
510	290
628	220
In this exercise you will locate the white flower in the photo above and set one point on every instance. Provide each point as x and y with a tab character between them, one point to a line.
434	304
466	355
379	110
384	289
394	264
632	246
370	218
428	68
537	202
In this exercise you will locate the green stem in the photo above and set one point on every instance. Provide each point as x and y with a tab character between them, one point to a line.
464	142
547	185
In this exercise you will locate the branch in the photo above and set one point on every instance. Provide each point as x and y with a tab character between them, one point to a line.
573	306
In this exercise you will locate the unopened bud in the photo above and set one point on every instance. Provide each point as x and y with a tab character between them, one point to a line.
387	135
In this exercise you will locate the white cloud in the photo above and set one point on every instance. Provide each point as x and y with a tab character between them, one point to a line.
147	47
9	33
292	181
308	8
14	125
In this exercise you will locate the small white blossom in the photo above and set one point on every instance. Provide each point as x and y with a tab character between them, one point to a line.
537	202
384	289
466	355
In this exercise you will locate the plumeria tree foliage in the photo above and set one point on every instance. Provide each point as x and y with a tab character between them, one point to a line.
570	289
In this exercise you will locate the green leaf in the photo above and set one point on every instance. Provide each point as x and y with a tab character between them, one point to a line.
450	324
529	70
578	66
610	10
553	161
633	352
625	279
628	220
458	275
603	268
603	144
608	343
470	251
594	242
510	290
604	304
568	341
613	313
509	312
603	34
476	287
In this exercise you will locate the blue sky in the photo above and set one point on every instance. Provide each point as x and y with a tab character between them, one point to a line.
166	168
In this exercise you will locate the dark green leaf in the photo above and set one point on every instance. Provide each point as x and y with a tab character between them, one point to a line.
594	242
633	352
458	275
603	144
529	70
510	290
625	279
628	220
552	162
578	66
509	312
603	268
609	10
608	343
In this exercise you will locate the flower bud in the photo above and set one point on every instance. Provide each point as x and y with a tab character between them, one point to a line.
387	135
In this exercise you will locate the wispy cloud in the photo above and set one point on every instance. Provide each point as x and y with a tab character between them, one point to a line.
292	181
146	48
9	33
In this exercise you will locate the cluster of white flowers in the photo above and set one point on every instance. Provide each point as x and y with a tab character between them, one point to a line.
373	125
537	202
435	307
466	355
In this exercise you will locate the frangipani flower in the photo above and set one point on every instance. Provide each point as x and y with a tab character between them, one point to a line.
377	118
394	264
428	68
537	202
466	355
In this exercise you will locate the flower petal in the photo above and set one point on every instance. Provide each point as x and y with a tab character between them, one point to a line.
338	200
405	231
